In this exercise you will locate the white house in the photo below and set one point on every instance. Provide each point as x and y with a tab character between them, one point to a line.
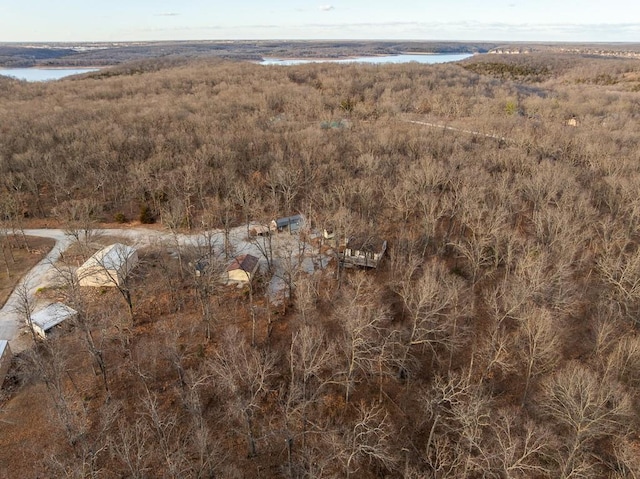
108	267
242	269
48	317
5	359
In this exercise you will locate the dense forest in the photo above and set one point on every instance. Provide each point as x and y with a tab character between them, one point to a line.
498	338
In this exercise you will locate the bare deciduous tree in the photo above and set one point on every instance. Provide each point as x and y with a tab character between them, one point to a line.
431	302
621	273
170	444
116	267
79	218
368	439
457	416
311	357
25	304
245	374
539	345
589	410
363	336
521	450
133	446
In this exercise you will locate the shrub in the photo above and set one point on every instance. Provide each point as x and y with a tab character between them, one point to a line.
146	215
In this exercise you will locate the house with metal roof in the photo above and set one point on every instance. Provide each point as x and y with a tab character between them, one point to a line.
289	224
50	316
108	267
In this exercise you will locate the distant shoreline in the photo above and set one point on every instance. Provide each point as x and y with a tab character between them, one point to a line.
35	67
351	57
108	54
38	74
275	61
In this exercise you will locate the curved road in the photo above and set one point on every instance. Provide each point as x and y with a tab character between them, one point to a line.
11	322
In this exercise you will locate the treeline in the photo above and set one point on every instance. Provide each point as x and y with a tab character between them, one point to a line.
97	54
498	339
508	71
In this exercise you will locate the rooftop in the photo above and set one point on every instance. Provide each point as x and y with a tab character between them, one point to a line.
366	243
289	220
246	262
52	315
3	346
111	257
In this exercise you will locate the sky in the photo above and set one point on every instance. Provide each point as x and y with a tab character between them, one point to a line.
490	20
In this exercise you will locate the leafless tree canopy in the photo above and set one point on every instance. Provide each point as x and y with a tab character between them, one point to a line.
497	338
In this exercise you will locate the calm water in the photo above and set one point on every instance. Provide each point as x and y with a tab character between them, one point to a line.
43	74
435	58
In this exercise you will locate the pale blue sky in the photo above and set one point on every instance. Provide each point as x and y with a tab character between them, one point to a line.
501	20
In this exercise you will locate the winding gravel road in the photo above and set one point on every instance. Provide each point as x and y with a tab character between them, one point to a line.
11	323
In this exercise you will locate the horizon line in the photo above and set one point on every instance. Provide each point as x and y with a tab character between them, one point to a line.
307	40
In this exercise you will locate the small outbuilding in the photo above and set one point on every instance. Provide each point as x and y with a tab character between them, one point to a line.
329	233
363	250
573	121
243	269
50	316
290	224
259	230
108	267
5	359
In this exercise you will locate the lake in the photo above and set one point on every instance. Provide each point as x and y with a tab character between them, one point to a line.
43	74
378	60
49	74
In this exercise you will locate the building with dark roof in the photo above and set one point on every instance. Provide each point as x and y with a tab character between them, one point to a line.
242	269
363	250
290	224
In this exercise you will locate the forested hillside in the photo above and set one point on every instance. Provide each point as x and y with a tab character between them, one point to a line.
498	337
17	55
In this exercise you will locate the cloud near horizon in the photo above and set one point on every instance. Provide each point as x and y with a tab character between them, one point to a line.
327	8
396	30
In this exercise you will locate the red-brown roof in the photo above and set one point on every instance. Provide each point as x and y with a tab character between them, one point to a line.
245	262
